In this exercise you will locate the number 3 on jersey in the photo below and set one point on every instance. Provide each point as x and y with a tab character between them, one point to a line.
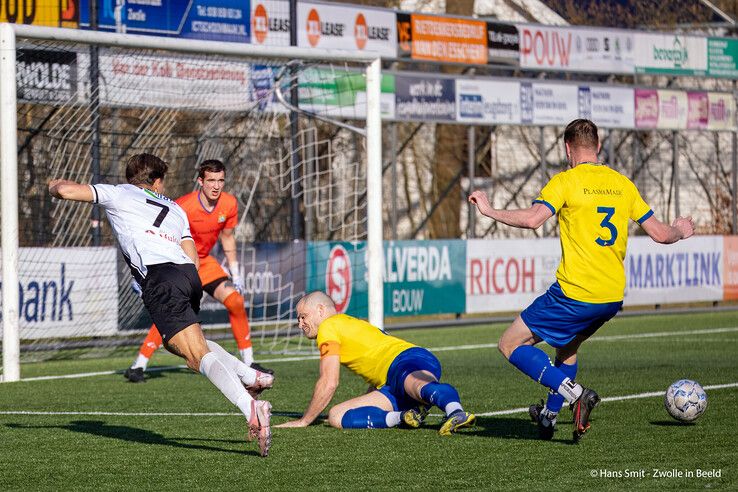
609	212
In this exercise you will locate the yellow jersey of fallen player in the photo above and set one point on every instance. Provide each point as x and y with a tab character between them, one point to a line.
594	204
362	347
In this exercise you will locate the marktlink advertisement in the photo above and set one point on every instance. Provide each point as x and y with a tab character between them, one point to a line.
421	277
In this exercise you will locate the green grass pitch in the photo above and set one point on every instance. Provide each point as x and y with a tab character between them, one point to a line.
633	443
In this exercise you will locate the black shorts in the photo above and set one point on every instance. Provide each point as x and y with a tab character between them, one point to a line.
211	286
171	294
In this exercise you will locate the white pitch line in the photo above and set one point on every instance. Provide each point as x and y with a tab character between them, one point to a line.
232	414
611	398
606	338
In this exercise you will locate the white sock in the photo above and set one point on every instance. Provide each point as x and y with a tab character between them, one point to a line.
392	419
227	382
548	416
243	371
141	361
570	390
247	355
452	407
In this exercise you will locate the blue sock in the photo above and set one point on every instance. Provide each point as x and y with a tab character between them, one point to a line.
555	401
441	395
365	418
535	363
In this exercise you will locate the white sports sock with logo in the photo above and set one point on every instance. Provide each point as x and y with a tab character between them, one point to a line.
244	372
570	390
227	382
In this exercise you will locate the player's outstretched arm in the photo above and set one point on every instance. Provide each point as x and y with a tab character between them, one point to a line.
681	228
325	388
69	190
525	218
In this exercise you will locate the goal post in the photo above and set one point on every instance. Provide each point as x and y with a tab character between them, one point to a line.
74	138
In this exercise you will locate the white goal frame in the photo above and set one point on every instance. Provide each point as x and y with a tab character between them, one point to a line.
9	150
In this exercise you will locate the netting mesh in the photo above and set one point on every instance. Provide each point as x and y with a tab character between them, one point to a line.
83	111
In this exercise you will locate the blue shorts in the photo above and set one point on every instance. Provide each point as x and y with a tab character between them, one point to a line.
557	319
407	362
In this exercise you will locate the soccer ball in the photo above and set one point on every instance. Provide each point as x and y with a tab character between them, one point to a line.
685	400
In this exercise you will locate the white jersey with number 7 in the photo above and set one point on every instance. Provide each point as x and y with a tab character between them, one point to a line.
149	226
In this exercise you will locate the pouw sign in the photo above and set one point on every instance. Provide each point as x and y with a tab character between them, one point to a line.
67	292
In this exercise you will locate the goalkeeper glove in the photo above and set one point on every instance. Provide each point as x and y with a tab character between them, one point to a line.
237	278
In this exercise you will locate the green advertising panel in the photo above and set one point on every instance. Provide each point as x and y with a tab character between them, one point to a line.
420	277
722	57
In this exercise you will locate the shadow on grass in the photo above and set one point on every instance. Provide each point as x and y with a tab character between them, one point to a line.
162	372
513	428
672	423
131	434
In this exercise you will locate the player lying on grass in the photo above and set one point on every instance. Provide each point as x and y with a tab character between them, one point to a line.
154	237
405	377
595	204
212	213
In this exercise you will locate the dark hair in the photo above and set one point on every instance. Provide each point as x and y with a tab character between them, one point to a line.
145	169
210	166
582	133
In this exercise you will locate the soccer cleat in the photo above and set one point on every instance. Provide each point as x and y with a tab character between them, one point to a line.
259	425
582	407
456	421
134	375
263	382
545	432
260	368
415	417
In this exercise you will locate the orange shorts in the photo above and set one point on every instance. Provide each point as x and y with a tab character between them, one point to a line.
210	271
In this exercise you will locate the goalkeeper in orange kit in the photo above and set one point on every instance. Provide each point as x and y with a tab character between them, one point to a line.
212	214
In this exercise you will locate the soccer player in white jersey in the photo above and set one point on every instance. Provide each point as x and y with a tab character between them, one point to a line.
154	236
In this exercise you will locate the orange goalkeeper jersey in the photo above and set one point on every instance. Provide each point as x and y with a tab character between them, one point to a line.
206	226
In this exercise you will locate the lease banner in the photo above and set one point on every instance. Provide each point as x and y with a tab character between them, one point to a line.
67	292
670	54
270	22
587	50
488	101
341	27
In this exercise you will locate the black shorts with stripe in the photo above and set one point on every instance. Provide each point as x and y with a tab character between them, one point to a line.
171	294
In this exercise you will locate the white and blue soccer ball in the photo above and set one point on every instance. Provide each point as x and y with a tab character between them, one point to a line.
685	400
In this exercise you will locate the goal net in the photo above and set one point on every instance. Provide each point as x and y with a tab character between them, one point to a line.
290	130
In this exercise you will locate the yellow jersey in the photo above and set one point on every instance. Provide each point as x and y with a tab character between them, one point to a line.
594	204
362	347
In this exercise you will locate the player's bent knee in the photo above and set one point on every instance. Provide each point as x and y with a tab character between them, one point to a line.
335	416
